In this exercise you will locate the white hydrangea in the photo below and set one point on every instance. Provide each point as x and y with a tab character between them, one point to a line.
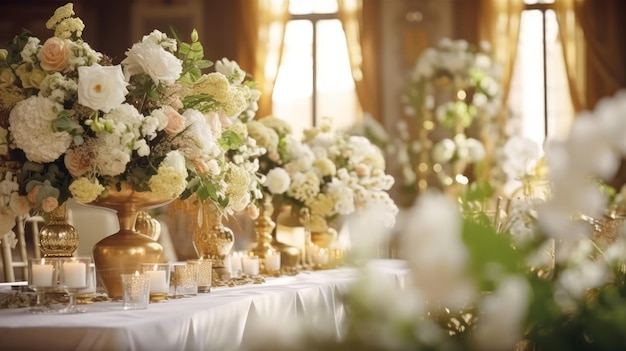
31	126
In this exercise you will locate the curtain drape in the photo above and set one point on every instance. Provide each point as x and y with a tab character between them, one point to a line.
361	22
262	25
592	33
499	24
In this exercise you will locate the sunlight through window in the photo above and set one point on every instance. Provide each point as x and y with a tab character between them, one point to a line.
314	79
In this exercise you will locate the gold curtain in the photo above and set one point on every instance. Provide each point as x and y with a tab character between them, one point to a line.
361	23
591	33
262	24
499	24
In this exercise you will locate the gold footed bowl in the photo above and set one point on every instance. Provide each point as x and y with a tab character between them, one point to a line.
125	251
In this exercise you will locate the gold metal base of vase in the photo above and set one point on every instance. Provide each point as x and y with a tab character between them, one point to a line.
123	253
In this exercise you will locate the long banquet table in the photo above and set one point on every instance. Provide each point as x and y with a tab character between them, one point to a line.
219	320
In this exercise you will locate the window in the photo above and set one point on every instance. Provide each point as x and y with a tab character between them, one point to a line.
539	88
314	79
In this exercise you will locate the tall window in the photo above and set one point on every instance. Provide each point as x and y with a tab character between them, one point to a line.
539	89
314	79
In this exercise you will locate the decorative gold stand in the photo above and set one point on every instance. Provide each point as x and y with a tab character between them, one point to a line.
58	238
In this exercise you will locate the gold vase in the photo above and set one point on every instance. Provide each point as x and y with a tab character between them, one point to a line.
211	239
290	256
125	251
58	238
325	238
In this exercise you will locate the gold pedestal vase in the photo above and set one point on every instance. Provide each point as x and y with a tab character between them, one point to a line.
57	237
125	251
211	239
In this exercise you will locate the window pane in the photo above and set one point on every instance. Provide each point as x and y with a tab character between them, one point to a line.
336	94
294	82
526	97
527	86
560	108
301	7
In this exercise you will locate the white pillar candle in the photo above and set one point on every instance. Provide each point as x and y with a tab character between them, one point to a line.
42	274
158	283
322	256
272	261
74	274
250	265
235	262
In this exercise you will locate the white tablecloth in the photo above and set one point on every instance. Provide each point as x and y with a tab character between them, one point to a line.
219	320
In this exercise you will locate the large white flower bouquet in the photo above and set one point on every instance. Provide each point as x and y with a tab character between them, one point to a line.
331	174
154	121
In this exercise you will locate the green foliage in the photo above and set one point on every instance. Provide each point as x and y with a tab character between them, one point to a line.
192	57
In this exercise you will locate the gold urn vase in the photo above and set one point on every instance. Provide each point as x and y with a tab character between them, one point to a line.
125	251
57	237
211	239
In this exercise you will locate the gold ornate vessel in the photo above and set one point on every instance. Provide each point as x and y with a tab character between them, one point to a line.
211	239
125	251
58	238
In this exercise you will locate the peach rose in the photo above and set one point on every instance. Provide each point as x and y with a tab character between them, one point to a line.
55	54
200	166
175	121
77	163
32	195
50	203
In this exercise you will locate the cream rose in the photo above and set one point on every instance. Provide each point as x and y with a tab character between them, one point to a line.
55	54
85	190
101	87
7	77
175	121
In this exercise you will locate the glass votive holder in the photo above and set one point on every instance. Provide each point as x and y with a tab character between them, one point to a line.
205	274
271	263
321	258
135	291
159	280
250	265
236	267
184	280
87	295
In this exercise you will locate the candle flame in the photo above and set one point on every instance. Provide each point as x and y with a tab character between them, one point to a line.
136	272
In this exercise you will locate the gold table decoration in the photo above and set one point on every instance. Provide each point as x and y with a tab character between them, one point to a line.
125	251
147	225
264	225
211	239
57	237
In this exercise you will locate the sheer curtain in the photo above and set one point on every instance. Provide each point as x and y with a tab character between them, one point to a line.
592	33
361	23
262	24
499	24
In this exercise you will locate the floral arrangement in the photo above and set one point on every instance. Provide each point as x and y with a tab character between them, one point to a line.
156	121
536	278
453	105
329	173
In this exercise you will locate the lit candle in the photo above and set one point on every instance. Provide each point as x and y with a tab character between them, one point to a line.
321	256
74	274
251	265
272	261
42	274
235	262
158	281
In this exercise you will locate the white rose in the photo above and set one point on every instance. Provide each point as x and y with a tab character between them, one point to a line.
147	57
444	150
101	87
277	181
